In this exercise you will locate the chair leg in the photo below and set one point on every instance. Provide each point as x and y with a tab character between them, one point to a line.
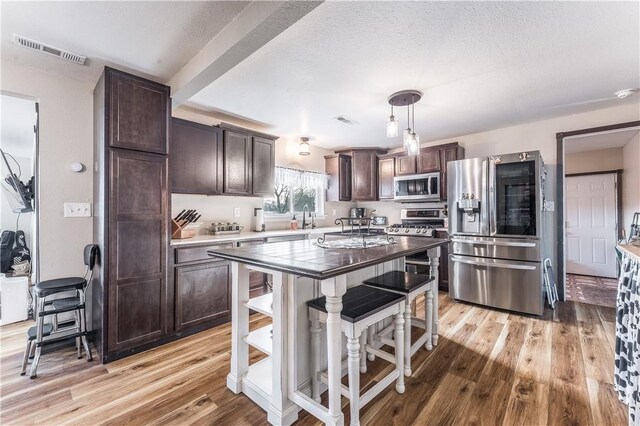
83	327
78	344
25	358
370	332
363	351
399	347
38	341
407	340
315	356
353	349
428	319
33	350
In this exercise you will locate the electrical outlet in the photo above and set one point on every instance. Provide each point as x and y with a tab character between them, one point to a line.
334	212
77	209
236	212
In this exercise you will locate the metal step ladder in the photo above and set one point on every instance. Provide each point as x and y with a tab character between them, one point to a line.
550	288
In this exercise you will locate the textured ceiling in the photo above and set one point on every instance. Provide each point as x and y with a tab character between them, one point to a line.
594	142
481	66
153	38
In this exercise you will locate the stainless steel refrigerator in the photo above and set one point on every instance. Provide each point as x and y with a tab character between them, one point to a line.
496	227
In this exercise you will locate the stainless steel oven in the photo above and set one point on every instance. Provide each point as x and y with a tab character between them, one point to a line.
417	188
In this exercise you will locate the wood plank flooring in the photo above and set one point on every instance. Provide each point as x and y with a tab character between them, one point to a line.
489	368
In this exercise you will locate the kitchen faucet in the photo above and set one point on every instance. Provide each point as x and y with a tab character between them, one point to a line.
304	217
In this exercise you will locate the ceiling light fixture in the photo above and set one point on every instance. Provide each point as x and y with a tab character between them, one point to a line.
392	125
303	149
408	98
626	93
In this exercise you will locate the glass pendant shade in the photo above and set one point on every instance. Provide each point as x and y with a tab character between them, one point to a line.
406	138
414	144
303	148
392	127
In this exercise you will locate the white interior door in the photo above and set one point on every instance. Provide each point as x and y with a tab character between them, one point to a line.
591	228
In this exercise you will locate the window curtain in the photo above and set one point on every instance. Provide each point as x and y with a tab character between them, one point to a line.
627	356
295	178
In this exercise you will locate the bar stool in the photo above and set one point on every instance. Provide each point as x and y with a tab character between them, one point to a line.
410	286
361	307
44	307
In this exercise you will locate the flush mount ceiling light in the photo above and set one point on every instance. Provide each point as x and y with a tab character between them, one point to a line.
410	139
303	149
626	93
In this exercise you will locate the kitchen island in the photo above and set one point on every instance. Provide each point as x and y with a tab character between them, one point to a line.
301	270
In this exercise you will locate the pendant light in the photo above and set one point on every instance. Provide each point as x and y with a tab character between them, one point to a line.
392	125
303	148
410	139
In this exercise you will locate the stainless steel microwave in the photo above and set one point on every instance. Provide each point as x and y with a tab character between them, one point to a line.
417	188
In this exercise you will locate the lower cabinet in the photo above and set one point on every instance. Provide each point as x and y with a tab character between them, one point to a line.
203	294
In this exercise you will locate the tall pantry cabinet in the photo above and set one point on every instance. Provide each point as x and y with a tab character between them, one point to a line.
130	291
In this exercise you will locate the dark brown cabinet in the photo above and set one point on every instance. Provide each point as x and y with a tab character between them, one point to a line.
405	165
428	161
338	167
264	164
386	173
203	294
131	296
139	112
364	165
237	163
195	163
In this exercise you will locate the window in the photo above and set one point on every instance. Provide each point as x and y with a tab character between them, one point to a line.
295	189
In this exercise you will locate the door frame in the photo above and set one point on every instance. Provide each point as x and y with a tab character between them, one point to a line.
618	198
560	141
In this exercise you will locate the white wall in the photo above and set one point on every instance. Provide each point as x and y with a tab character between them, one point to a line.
592	161
66	135
631	180
220	208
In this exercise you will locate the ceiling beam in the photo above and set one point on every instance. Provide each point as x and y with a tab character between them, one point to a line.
259	23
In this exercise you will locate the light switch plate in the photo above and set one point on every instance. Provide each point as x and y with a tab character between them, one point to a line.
236	212
77	209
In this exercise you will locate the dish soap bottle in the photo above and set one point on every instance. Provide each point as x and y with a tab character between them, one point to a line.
294	222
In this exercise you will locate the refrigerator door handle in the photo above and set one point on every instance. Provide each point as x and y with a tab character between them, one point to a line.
492	197
496	243
504	265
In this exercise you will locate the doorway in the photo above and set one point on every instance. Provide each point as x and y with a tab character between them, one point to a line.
592	209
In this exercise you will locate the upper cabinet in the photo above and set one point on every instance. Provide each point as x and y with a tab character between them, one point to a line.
353	174
237	163
264	164
428	161
138	113
338	167
405	165
386	173
196	158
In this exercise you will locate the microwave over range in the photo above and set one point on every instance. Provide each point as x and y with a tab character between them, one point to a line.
417	188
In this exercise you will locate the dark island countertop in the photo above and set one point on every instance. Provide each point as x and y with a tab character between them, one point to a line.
303	258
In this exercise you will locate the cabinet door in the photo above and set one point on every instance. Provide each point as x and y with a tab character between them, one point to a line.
195	163
405	165
386	173
264	164
344	177
137	244
364	166
429	160
203	294
448	153
139	112
237	163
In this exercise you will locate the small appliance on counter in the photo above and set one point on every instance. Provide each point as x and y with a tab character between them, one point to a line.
258	220
185	224
228	228
355	214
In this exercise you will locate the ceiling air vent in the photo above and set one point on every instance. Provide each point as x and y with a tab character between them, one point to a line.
344	120
42	47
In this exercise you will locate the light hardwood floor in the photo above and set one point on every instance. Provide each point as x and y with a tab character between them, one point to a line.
489	368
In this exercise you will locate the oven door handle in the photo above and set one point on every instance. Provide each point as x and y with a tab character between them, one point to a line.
494	265
417	262
495	243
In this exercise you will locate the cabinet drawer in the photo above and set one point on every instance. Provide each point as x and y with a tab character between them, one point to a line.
192	254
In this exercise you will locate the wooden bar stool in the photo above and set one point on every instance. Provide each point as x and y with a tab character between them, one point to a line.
410	286
361	307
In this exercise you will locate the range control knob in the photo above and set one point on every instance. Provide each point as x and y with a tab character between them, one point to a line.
417	231
425	231
407	230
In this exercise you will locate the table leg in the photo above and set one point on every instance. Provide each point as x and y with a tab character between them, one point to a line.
240	326
334	289
435	262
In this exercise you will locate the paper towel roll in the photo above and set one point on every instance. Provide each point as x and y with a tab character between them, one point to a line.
258	214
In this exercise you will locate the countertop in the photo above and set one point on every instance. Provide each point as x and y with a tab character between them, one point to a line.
303	258
252	235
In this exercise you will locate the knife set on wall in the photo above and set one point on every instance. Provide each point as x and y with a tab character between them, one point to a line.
185	224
